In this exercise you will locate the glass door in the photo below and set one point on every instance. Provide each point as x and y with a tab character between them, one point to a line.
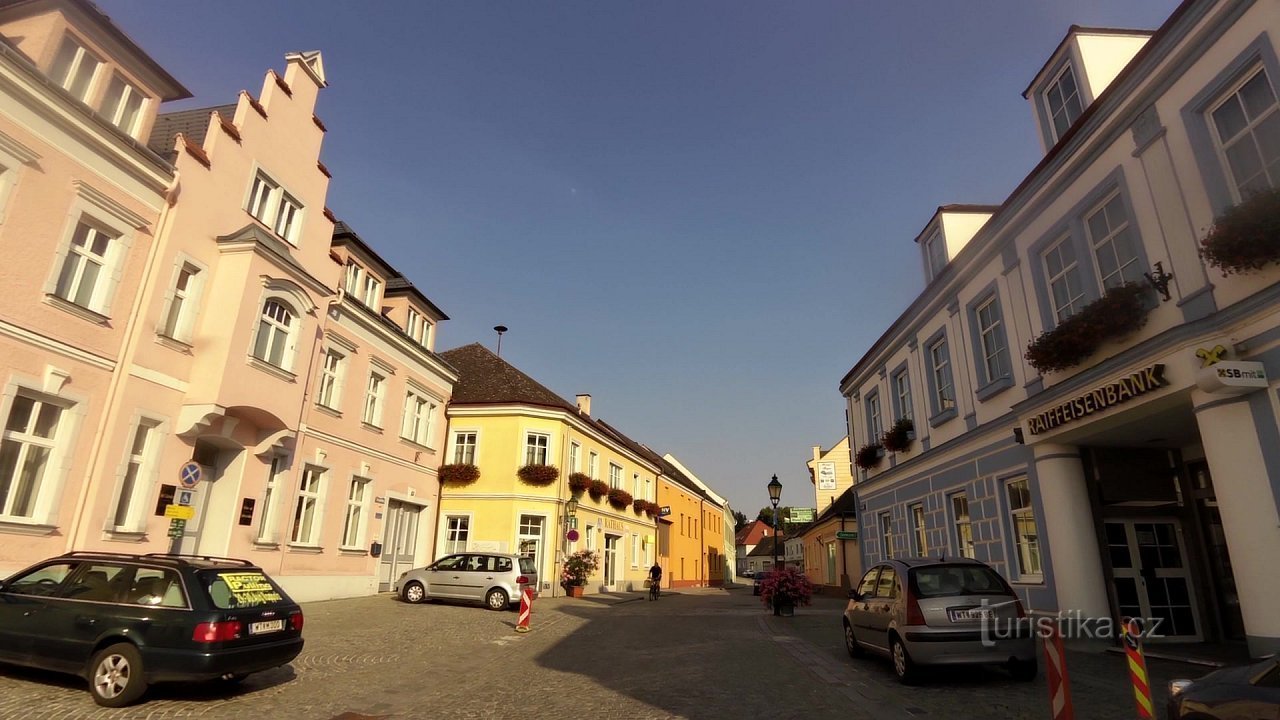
610	560
1151	578
399	550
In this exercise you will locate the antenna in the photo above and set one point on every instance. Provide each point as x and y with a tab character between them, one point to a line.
500	329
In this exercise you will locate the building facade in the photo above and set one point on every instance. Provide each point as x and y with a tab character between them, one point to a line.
831	472
830	544
691	541
1133	478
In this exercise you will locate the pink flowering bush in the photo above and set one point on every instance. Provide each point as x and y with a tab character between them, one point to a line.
578	567
788	585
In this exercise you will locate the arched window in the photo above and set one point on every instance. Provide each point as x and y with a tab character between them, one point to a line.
275	334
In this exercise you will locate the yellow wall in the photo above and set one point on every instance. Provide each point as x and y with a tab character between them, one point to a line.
817	566
694	553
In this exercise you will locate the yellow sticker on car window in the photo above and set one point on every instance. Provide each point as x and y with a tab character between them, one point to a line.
250	588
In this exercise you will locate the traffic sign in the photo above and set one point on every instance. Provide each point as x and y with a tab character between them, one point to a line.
179	512
847	535
189	475
571	536
177	527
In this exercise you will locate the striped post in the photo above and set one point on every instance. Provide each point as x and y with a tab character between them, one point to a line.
526	609
1132	634
1056	668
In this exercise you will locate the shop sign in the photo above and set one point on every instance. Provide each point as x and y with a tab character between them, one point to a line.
1099	399
800	515
826	476
1232	377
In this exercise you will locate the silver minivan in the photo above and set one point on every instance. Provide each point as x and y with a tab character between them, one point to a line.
494	579
939	611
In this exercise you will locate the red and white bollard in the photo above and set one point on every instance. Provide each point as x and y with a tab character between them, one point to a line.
1059	683
526	609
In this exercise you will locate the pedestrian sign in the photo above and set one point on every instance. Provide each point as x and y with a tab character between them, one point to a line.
189	475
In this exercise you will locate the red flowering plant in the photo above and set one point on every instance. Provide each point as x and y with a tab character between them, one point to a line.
1121	311
788	585
538	474
868	456
619	498
598	489
1246	237
458	474
639	506
898	438
579	483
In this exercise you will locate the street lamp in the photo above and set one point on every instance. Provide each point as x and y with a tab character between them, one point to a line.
775	494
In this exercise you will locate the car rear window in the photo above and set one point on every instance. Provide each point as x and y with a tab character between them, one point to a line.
235	589
949	580
527	567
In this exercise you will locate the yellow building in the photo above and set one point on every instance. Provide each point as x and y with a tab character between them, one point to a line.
831	556
502	420
831	472
691	534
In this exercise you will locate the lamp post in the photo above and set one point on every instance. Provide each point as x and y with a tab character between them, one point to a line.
775	494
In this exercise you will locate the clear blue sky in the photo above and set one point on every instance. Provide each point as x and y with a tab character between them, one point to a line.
701	213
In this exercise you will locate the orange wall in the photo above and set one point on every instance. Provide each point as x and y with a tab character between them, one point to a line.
695	550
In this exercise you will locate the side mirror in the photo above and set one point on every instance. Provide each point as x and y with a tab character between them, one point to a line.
855	596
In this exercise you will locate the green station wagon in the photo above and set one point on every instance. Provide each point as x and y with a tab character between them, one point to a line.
125	621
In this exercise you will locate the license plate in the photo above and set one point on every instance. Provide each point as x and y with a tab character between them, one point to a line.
265	627
970	614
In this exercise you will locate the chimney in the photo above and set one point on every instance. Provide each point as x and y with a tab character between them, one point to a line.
584	404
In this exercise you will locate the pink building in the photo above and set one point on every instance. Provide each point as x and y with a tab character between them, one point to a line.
227	324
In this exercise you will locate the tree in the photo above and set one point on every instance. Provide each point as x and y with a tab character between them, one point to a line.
785	526
766	516
739	520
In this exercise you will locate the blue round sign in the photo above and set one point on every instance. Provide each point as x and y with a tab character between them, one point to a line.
189	475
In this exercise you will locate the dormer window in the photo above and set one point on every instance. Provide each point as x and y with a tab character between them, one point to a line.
372	291
351	282
123	105
935	250
1062	101
418	328
74	68
275	208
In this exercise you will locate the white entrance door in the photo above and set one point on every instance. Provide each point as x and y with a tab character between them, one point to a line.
1152	580
611	560
399	551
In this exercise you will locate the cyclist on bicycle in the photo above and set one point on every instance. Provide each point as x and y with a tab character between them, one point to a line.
655	580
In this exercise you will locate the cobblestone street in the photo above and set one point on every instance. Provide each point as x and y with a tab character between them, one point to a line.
700	655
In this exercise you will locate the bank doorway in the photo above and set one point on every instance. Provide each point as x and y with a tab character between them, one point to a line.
1151	576
611	560
399	552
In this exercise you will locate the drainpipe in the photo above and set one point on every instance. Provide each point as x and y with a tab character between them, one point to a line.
124	361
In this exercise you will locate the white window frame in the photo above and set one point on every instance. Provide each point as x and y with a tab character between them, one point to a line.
268	202
540	539
46	486
111	263
886	535
901	383
14	157
457	537
466	444
537	448
593	465
309	503
991	340
181	325
575	456
940	366
935	252
615	475
1049	113
590	537
354	527
279	332
962	525
81	54
137	476
1067	271
1029	563
919	529
419	412
268	531
371	291
375	388
635	550
127	95
333	370
875	418
418	328
1107	243
352	278
1246	134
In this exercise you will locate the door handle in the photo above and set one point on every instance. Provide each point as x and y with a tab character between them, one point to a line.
85	620
489	578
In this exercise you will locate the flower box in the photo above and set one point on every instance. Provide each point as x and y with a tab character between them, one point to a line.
1245	238
899	437
1121	311
579	483
619	498
640	506
540	475
598	489
868	456
458	474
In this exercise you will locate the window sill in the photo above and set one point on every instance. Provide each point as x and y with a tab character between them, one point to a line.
417	445
173	344
79	311
305	548
944	416
991	389
1035	580
270	369
370	427
133	536
19	527
328	410
352	551
266	545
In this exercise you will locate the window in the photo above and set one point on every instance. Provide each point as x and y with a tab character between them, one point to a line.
1062	101
26	448
875	422
887	587
867	588
275	208
331	371
266	521
902	395
419	329
1025	535
593	465
993	351
352	279
370	293
935	250
83	278
373	400
74	68
123	105
635	550
156	586
1247	131
181	311
615	476
886	536
575	456
128	510
96	583
357	497
918	530
464	448
275	334
418	414
535	448
1113	243
1063	273
529	540
944	394
306	522
457	530
591	537
963	526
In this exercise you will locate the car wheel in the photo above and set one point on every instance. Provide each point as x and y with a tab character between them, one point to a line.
497	599
115	675
850	642
234	678
903	666
1024	671
414	593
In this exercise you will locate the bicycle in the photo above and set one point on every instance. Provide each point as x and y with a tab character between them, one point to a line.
655	588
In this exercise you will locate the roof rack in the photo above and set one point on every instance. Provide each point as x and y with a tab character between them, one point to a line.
212	558
96	553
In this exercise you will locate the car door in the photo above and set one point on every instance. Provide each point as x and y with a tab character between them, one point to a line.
860	609
23	601
444	577
881	610
82	610
477	573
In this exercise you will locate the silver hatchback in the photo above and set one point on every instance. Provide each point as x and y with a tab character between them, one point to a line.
941	611
494	579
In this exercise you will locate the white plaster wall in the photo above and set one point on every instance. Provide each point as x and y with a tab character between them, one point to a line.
1104	56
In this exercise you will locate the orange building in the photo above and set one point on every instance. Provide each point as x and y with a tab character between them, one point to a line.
691	535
